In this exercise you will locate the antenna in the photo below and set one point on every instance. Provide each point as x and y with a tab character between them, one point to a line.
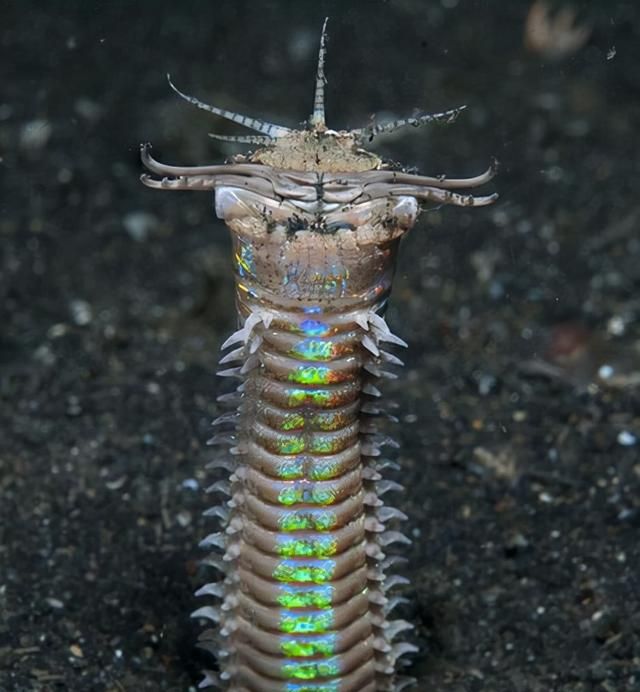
317	119
265	128
444	117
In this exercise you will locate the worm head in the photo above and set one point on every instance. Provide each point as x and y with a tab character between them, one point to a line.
315	163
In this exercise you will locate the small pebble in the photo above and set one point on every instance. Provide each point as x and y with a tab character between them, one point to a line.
57	330
485	384
138	224
88	109
55	603
616	326
73	406
81	312
117	483
35	134
605	372
43	354
183	518
190	484
626	439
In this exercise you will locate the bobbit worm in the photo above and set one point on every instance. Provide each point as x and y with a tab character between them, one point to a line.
305	602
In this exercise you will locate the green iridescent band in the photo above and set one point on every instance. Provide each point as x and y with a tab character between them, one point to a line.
308	670
325	469
318	596
292	421
290	444
317	622
316	571
291	469
327	444
307	493
308	519
302	647
329	421
317	546
316	374
323	398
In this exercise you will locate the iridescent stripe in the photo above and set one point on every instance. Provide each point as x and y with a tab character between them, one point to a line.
309	670
329	421
309	646
291	469
292	421
308	493
325	469
318	397
288	444
317	622
303	519
314	328
317	596
245	261
314	349
321	687
317	546
327	444
316	571
317	374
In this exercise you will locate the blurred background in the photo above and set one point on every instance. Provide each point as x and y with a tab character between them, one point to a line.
519	405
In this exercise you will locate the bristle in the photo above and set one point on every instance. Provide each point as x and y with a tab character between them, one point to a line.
217	540
370	345
207	613
388	537
237	354
215	590
385	486
211	679
385	514
395	627
217	511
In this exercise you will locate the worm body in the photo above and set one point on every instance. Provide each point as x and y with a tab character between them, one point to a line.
305	603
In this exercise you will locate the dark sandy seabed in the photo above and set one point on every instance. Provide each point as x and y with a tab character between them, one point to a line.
520	430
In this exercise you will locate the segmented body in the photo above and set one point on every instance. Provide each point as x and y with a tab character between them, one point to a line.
305	603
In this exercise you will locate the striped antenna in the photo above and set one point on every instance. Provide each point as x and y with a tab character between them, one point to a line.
261	126
444	117
317	119
243	139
